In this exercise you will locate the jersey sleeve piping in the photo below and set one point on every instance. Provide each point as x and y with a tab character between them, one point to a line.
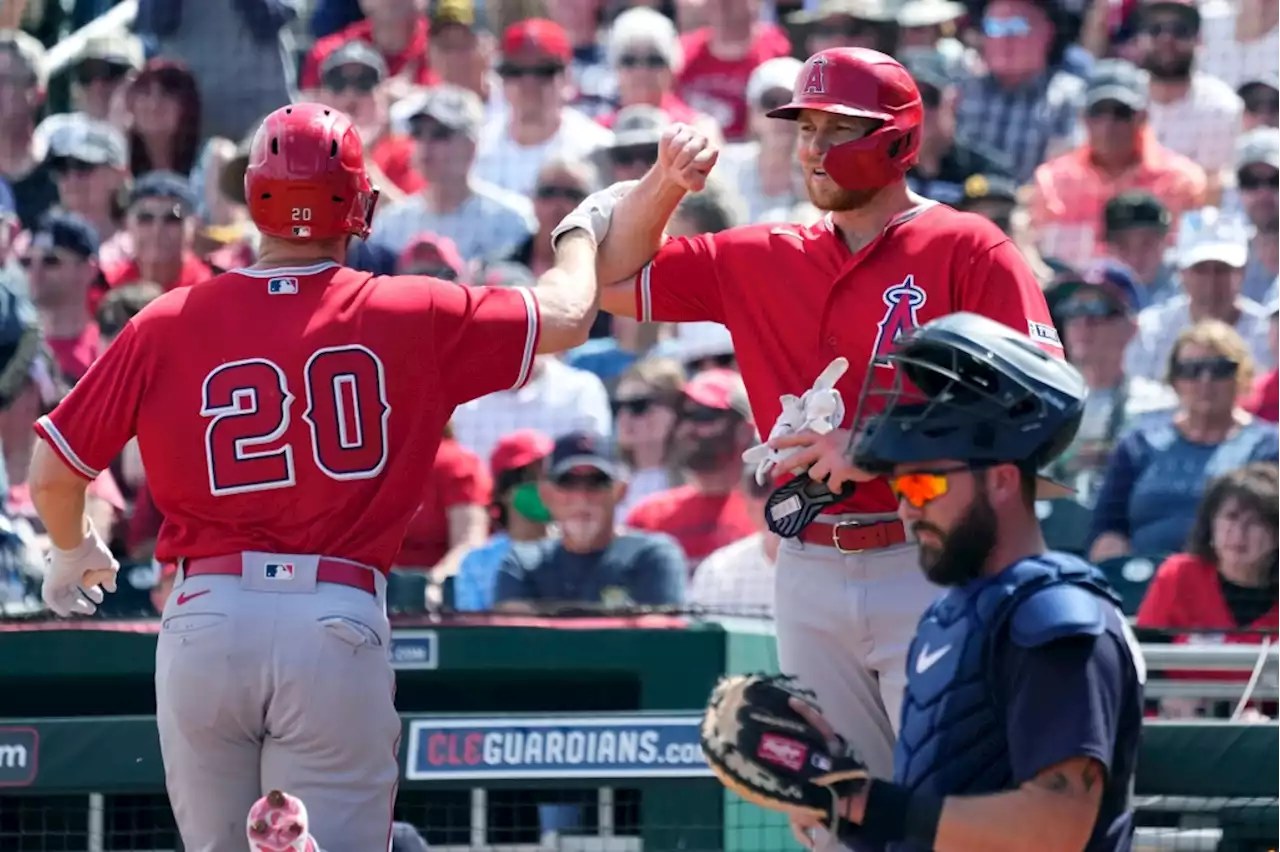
45	429
644	293
533	332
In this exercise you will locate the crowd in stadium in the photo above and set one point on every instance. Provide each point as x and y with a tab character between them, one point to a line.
1128	147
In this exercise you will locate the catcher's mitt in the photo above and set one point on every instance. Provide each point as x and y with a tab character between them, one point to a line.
765	751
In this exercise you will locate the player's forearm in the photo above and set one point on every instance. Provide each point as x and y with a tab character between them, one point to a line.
568	294
58	494
636	227
1024	820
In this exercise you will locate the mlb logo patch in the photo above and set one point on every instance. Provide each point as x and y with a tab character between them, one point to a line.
1043	333
301	231
278	570
282	286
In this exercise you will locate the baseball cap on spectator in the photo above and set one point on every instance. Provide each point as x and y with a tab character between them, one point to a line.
981	188
355	52
698	341
639	125
1259	146
648	28
453	107
445	13
518	449
582	449
86	140
536	37
876	11
65	230
161	184
1134	209
1113	280
1118	80
929	13
122	50
429	254
1208	235
775	76
719	389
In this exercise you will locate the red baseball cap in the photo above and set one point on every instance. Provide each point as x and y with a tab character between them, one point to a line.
537	35
721	389
519	449
429	250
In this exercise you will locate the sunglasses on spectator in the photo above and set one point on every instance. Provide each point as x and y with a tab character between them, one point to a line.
714	362
1220	367
92	70
560	193
703	414
634	155
1016	27
1177	29
47	261
65	165
652	61
1096	308
637	406
595	481
539	72
168	217
921	487
364	81
429	130
1112	109
1258	179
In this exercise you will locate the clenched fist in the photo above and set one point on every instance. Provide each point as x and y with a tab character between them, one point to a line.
685	157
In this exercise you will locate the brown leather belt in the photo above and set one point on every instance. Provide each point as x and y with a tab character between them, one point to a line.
328	571
854	536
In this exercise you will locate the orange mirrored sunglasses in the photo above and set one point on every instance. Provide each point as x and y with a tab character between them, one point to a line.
923	486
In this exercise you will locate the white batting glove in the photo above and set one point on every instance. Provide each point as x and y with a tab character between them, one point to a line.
594	213
75	579
820	410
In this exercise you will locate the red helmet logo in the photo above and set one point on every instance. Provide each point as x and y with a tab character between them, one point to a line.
815	80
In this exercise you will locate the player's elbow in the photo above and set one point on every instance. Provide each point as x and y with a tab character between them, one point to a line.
49	474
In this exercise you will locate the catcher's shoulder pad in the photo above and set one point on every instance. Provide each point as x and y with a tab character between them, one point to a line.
1057	612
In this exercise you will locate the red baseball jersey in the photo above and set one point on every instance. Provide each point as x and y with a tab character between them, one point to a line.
293	410
700	523
796	298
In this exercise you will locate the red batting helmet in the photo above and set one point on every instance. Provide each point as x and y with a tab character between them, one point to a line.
306	179
865	83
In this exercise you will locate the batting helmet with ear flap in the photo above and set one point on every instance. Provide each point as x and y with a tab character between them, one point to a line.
306	178
863	83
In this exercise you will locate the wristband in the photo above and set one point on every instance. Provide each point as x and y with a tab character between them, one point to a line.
894	813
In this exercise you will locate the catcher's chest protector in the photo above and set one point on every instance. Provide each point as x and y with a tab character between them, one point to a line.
952	739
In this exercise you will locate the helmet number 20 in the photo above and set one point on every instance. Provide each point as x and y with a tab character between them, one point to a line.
301	214
249	407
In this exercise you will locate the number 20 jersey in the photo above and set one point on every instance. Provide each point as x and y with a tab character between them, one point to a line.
293	410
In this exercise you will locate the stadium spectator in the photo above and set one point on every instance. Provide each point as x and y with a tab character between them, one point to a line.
993	197
594	83
1263	400
462	51
1239	39
561	185
946	162
351	81
161	226
928	25
1158	472
453	517
1193	113
1120	153
397	29
717	208
22	90
591	564
1261	98
644	52
1258	182
713	428
484	221
517	511
719	59
89	160
1225	579
645	405
1135	227
763	171
738	579
435	257
636	132
100	78
1022	107
700	346
538	124
61	262
1211	255
164	119
847	23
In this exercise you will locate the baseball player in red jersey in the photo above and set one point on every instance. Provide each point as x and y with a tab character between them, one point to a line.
288	414
849	592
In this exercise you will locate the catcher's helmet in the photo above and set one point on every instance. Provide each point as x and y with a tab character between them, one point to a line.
306	178
860	82
969	388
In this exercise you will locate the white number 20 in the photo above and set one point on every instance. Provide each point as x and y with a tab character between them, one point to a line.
302	214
